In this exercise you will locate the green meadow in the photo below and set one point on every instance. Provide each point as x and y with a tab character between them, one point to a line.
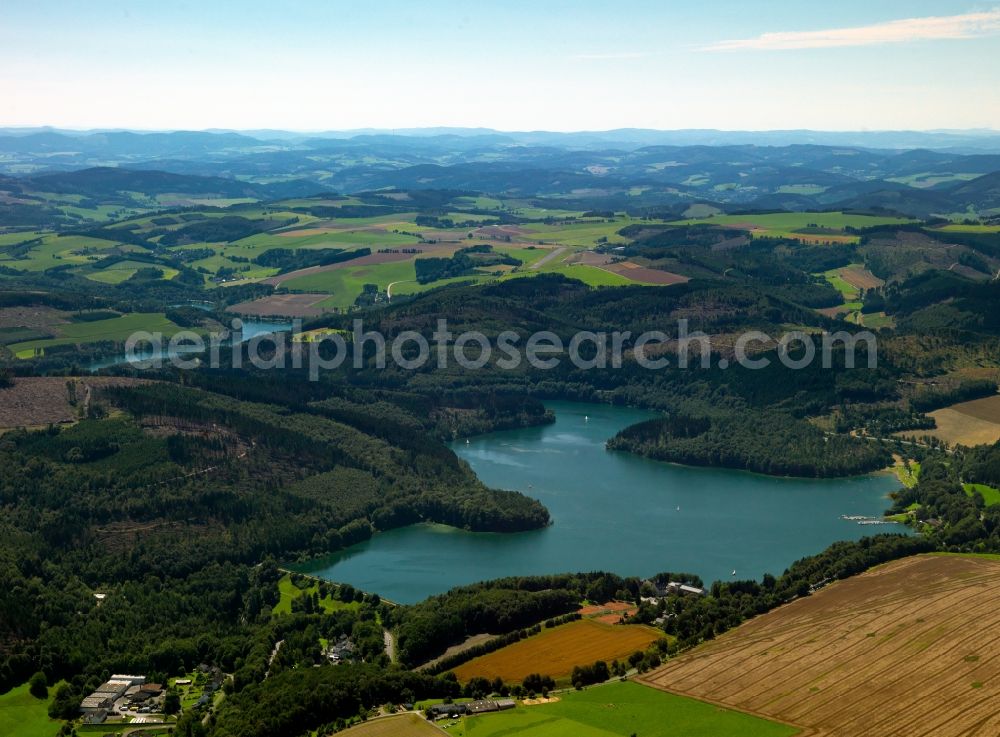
796	224
991	496
969	228
123	270
116	329
846	290
289	591
22	715
346	283
796	220
619	710
56	250
585	234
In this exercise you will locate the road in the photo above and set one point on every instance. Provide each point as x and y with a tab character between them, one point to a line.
390	645
546	258
388	289
274	654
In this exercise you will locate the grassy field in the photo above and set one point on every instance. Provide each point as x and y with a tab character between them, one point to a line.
479	203
401	725
906	648
117	328
9	239
963	228
55	250
877	320
848	291
345	284
619	710
798	224
124	270
289	591
806	189
22	715
991	496
583	234
908	475
557	650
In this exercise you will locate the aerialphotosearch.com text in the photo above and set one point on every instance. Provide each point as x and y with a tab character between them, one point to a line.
655	350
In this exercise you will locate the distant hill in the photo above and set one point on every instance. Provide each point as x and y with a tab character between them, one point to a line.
628	168
107	181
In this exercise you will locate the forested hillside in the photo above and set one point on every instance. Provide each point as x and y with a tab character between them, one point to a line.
180	489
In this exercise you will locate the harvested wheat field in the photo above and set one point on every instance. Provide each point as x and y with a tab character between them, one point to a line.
628	269
283	305
645	275
555	651
612	612
909	648
860	277
610	607
969	423
402	725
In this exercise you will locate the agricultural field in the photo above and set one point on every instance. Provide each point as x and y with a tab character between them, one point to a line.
557	650
909	647
858	277
585	234
59	250
612	612
968	228
925	180
808	227
850	281
618	710
123	270
968	423
22	715
552	246
282	305
877	320
112	329
399	725
346	282
848	291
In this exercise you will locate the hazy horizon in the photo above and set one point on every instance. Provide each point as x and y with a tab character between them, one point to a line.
487	129
560	67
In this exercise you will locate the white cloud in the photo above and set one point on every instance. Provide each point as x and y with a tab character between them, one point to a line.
968	25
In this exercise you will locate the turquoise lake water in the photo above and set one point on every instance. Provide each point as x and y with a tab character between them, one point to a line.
616	512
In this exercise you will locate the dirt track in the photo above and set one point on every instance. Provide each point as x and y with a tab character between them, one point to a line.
911	648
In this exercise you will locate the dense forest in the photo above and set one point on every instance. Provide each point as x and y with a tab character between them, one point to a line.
177	494
194	487
771	443
461	263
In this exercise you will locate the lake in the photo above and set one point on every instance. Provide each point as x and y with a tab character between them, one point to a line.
616	512
250	330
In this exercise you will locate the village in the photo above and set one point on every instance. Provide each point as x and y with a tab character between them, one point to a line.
136	700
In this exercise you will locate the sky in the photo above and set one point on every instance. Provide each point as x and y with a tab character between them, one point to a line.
515	65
